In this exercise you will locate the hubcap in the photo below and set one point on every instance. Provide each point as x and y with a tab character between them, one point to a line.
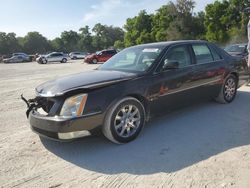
230	89
127	121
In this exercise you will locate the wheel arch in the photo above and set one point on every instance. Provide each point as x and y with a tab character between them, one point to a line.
144	102
139	97
234	73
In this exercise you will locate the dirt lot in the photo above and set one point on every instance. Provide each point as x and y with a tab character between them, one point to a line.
206	145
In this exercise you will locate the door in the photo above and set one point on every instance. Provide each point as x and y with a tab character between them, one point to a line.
20	59
103	56
172	87
209	70
58	57
51	57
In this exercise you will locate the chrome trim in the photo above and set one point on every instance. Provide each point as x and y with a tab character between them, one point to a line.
72	135
190	87
63	118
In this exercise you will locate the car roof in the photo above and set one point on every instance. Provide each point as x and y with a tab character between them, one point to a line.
168	43
20	53
108	50
56	53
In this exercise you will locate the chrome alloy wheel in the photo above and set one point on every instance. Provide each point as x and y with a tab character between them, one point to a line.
127	121
230	89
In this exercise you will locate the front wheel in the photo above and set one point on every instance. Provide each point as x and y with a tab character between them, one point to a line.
228	90
124	120
64	60
42	61
94	61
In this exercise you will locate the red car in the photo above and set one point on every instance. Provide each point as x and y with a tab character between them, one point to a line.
101	56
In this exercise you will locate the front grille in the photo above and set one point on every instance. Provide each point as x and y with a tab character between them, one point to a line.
46	104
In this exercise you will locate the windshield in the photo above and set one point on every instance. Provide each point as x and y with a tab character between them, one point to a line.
235	48
136	59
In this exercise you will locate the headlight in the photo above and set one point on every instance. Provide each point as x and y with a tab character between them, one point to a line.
74	106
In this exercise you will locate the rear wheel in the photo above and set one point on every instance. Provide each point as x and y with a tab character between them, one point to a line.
124	120
94	61
228	90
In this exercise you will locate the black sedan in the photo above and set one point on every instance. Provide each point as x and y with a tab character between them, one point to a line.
134	85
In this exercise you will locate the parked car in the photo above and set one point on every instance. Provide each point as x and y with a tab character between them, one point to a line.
52	57
26	57
101	56
16	59
77	55
238	50
134	85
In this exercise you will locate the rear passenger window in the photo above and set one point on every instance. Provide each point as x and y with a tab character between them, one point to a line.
216	56
111	52
202	53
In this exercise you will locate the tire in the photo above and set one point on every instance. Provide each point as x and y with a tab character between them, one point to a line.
94	61
64	60
124	121
228	90
43	61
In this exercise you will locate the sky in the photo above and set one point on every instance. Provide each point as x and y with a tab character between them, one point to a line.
51	17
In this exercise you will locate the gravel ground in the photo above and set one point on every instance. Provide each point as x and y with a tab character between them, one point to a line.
206	145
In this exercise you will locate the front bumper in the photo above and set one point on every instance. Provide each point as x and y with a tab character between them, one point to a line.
61	128
88	60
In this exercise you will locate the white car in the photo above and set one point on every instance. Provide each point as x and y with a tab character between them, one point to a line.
77	55
52	57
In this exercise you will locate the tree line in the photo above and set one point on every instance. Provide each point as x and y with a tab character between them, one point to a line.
221	22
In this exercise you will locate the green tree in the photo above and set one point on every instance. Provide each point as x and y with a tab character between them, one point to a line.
226	21
138	29
57	45
161	21
85	42
70	40
182	26
119	44
9	43
34	42
105	36
215	22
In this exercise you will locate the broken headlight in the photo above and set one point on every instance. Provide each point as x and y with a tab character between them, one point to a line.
74	106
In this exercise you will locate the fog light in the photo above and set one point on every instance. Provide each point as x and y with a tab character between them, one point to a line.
71	135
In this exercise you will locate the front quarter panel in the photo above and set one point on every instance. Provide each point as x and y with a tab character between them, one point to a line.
100	100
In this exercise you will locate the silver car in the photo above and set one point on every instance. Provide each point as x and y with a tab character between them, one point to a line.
52	57
24	56
77	55
15	59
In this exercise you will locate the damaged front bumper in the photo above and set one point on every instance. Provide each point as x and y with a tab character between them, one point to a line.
59	127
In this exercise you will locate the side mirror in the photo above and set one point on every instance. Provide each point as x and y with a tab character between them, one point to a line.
170	64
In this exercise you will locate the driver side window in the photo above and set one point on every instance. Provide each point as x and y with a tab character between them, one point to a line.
178	54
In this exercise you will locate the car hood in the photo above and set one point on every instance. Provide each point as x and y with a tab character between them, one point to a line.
8	59
85	80
90	56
